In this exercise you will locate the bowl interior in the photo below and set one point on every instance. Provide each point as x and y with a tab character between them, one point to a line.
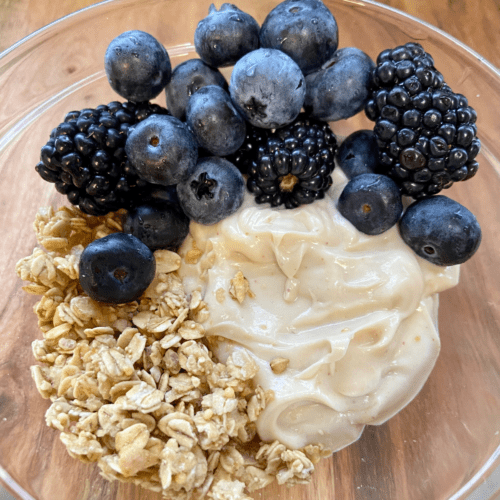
439	447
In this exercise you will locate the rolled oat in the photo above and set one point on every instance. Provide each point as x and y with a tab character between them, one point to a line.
136	388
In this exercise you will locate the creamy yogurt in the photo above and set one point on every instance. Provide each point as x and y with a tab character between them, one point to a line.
355	315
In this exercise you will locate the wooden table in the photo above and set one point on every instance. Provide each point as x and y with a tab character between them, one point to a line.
477	24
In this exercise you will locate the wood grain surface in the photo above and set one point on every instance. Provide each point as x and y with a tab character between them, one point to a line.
476	24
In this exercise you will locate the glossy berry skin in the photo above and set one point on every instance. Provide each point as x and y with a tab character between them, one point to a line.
245	157
217	125
137	66
303	29
226	35
116	269
187	78
160	195
371	202
292	165
85	157
341	88
358	153
440	230
212	192
268	88
158	226
426	132
162	149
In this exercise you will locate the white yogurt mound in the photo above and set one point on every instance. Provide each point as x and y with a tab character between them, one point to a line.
355	315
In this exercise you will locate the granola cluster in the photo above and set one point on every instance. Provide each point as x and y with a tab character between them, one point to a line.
136	388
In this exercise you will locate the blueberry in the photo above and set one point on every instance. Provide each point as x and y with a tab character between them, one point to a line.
358	154
116	269
216	123
160	195
371	202
158	227
212	192
226	35
162	149
268	88
187	78
440	230
341	88
304	29
137	66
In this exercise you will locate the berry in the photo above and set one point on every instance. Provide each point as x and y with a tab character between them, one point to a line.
160	195
226	35
187	78
215	122
116	269
162	149
371	202
246	156
158	226
268	88
212	192
426	133
341	89
358	153
440	230
137	66
85	157
303	29
294	164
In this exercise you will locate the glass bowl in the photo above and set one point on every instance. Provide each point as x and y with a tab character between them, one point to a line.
442	446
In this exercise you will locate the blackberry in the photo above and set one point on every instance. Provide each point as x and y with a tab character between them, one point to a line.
294	164
426	133
85	157
246	156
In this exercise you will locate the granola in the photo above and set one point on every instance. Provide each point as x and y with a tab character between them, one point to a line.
136	388
240	288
